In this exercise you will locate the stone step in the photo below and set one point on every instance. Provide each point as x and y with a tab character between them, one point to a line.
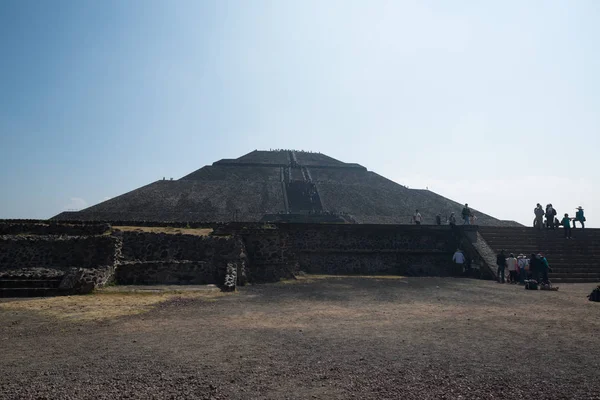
29	283
594	276
575	269
573	280
33	292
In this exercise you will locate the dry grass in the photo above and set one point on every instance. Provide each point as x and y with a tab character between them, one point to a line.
167	229
101	306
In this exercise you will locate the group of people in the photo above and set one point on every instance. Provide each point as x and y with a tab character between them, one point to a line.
552	221
467	216
521	268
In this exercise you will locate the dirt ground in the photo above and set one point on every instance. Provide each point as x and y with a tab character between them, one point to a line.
314	338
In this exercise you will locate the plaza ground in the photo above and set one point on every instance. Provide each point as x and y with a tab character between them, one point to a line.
315	337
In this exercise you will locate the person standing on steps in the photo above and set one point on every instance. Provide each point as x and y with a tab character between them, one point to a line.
501	262
566	223
466	215
579	217
452	220
550	213
417	219
438	219
459	260
539	216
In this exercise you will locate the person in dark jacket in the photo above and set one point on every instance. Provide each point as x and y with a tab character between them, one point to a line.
550	214
533	267
501	262
539	216
566	223
466	215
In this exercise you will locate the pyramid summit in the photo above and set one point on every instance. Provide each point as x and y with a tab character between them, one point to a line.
277	185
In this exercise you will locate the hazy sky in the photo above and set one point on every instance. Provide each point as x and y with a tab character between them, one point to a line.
491	103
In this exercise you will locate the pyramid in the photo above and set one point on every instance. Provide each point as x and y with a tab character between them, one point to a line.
280	185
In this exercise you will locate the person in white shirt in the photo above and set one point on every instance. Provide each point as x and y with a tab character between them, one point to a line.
511	265
459	260
523	264
417	217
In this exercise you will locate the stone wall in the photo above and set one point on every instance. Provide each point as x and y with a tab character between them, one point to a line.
160	258
59	252
166	273
372	249
47	256
8	227
148	246
279	250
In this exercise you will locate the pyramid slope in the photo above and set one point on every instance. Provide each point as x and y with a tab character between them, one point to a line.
189	200
264	183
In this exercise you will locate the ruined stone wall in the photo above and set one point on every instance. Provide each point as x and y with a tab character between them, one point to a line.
372	249
160	258
8	227
166	273
46	256
59	252
280	250
269	256
149	246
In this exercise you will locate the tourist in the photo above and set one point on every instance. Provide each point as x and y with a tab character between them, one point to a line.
452	220
556	223
550	213
511	263
468	268
533	267
473	219
417	217
539	216
544	268
459	260
466	215
566	223
438	219
523	264
579	217
501	262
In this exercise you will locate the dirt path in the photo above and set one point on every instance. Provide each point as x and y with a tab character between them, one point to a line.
326	338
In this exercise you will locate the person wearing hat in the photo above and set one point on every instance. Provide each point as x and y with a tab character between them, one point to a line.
579	217
523	264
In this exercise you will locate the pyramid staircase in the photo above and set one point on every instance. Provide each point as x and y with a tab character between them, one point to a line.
572	260
24	286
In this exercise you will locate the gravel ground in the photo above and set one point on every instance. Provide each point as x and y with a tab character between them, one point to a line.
318	337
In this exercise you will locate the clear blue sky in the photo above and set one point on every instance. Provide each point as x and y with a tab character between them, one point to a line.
492	103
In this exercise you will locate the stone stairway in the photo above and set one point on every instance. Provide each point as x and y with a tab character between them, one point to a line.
573	260
23	286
